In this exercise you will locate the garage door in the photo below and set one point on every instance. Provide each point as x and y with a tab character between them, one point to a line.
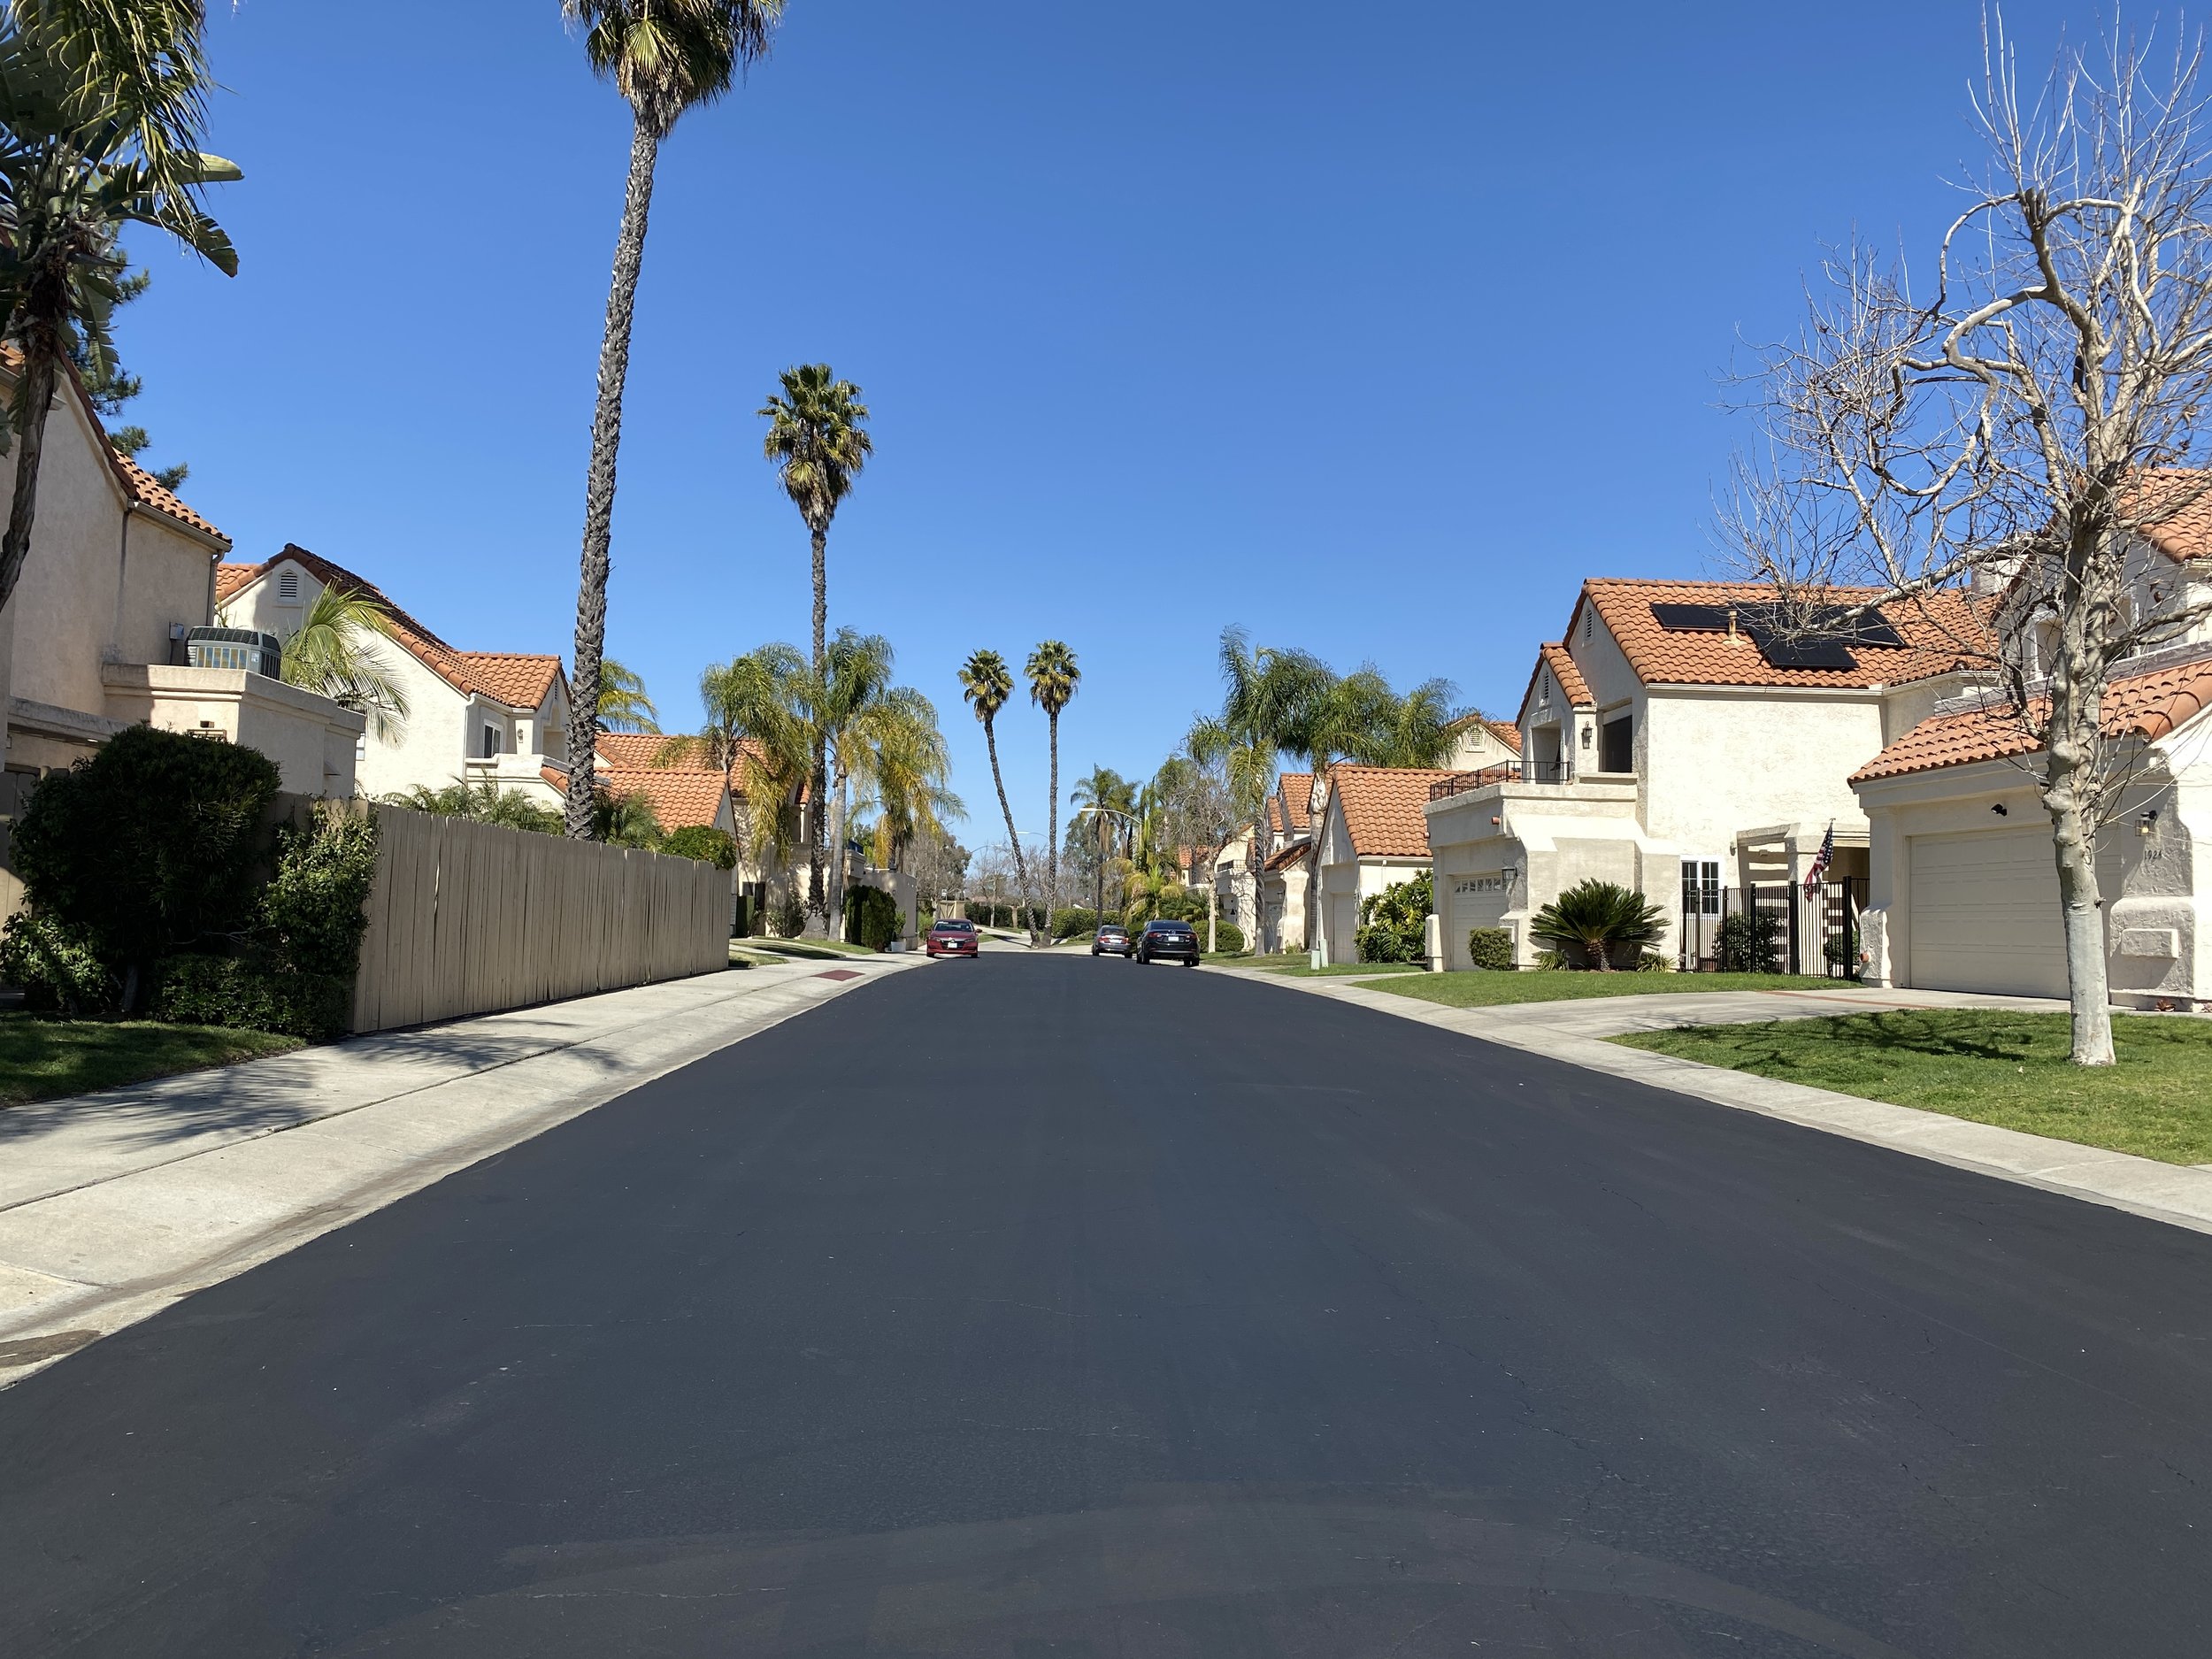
1984	914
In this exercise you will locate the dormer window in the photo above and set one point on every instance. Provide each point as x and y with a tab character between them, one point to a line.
288	587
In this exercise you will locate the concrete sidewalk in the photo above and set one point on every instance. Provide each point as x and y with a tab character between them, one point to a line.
1576	1031
114	1205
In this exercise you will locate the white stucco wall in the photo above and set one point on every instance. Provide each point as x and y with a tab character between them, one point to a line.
102	584
1715	763
310	738
2159	944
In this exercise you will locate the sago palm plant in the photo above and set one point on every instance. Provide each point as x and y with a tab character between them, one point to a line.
1596	919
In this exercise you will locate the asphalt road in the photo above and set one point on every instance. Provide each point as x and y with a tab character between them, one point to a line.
1049	1306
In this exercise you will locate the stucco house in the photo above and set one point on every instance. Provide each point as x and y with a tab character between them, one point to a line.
473	716
1681	740
1370	832
95	636
1964	884
1286	871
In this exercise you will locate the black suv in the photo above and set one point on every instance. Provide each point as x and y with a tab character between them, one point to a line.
1168	942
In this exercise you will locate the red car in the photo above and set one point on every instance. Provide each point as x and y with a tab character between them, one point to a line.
950	939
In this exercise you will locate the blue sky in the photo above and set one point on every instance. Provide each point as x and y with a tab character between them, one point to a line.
1374	329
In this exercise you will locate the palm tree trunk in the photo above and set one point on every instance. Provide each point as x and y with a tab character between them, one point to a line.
40	374
818	900
835	912
606	440
1021	875
1052	835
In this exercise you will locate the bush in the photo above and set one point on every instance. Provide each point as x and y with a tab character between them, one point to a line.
151	844
56	974
702	842
871	917
1073	921
256	993
1228	939
1598	925
314	906
1751	943
787	915
1491	947
1396	921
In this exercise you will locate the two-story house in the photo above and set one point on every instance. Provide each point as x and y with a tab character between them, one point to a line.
473	716
1370	831
1965	886
1691	741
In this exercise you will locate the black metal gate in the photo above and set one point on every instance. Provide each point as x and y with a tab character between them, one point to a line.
1777	928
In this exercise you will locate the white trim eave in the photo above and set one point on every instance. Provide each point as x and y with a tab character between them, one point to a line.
1968	779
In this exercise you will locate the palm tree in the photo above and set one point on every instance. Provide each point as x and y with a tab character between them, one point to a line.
624	821
817	436
485	803
1272	701
101	107
334	653
623	704
1362	720
663	57
1110	799
985	684
1053	677
904	768
846	701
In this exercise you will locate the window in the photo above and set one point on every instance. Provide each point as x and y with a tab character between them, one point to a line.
288	587
491	742
1701	886
1617	745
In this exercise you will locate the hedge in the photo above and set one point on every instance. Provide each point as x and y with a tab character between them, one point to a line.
703	843
1228	939
1072	921
871	917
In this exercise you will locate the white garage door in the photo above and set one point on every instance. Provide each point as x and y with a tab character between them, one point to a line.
1984	914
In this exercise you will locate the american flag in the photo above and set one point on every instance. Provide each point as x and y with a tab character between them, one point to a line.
1821	861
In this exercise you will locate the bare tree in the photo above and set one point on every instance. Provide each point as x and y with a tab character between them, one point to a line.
2023	431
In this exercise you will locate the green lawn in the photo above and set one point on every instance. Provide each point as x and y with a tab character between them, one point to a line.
41	1058
1989	1066
1544	984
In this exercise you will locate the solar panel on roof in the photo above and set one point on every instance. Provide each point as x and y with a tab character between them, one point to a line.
1800	651
1691	618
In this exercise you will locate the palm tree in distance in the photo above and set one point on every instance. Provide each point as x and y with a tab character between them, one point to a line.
817	436
848	702
101	107
623	703
1271	700
1111	800
1053	677
664	57
985	684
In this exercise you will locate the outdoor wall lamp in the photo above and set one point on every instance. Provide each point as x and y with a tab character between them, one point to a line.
2001	809
2147	825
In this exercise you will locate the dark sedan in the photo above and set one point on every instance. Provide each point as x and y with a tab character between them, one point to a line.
1168	942
1111	940
950	938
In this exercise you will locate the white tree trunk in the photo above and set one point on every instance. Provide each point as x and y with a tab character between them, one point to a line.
2088	993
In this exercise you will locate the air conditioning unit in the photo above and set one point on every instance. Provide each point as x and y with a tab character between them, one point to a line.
256	652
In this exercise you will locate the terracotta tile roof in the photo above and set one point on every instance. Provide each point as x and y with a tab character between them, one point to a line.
1941	632
678	798
517	678
1285	856
461	670
2150	705
1553	654
2188	534
1383	808
1295	791
1274	815
1509	735
146	493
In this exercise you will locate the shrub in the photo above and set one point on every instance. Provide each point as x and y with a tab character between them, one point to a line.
1396	921
256	993
1598	925
1652	962
1751	943
151	845
871	917
1491	947
314	906
56	974
1072	921
705	843
1228	939
786	915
